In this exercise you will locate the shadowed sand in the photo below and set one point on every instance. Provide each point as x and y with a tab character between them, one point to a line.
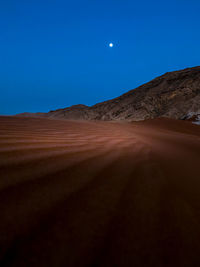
99	193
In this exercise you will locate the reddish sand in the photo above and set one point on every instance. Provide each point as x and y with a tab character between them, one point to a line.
99	193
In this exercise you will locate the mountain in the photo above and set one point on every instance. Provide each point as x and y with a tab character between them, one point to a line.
174	95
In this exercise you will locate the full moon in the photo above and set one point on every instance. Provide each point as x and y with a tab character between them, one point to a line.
110	44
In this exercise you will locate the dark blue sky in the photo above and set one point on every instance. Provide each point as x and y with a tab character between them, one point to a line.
55	53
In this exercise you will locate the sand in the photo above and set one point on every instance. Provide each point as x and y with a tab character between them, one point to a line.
99	193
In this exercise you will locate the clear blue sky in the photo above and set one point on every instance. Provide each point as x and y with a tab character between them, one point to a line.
55	54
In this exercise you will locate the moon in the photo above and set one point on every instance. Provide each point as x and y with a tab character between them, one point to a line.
111	44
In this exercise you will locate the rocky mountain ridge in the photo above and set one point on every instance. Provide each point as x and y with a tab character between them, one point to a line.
174	95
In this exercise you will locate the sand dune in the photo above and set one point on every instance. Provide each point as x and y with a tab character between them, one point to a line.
99	193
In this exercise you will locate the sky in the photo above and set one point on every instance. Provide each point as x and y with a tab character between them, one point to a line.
55	54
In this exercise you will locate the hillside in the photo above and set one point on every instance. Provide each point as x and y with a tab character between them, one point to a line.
174	95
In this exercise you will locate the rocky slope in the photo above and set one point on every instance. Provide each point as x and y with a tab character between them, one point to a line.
174	95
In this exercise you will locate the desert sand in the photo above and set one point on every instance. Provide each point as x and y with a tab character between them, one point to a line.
78	193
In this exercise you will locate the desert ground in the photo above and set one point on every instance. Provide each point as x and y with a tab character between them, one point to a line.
75	193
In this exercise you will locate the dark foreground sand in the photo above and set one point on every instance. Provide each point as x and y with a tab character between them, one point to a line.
99	193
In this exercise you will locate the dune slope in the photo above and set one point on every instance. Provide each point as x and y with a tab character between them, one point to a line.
99	193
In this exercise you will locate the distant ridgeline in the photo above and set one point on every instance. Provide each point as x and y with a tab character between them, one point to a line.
173	95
